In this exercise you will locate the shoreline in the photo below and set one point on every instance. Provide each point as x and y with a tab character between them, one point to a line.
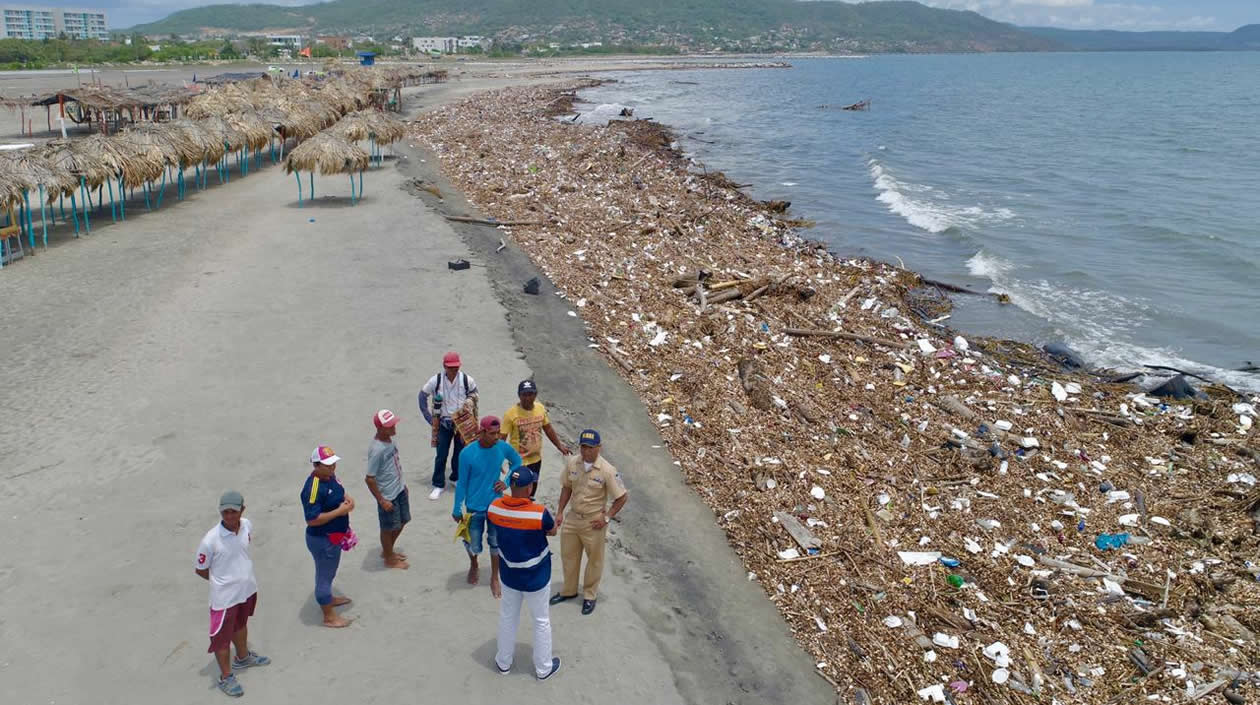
691	391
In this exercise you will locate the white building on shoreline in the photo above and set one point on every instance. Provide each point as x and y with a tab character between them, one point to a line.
450	45
36	22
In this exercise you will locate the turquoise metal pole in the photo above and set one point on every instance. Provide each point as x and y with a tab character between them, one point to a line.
87	223
74	213
148	205
299	179
122	198
312	196
352	188
43	216
30	229
113	207
162	191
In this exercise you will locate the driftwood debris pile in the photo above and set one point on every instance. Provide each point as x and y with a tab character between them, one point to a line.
938	519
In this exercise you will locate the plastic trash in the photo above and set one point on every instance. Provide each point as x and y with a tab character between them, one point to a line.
1106	542
457	265
949	562
919	557
955	580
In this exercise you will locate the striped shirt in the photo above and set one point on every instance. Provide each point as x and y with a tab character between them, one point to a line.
524	557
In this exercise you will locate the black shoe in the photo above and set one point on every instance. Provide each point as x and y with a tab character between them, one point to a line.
588	606
558	598
555	666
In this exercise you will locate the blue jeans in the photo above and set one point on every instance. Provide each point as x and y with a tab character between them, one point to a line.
447	437
327	557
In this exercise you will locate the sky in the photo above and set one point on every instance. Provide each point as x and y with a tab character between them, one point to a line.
1224	15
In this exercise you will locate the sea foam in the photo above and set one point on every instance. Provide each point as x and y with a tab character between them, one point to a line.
926	208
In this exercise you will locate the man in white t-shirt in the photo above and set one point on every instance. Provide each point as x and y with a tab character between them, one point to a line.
223	559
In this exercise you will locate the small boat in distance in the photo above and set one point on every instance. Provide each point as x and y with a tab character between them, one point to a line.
861	105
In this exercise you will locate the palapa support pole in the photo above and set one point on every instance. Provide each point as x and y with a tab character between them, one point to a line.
113	207
122	198
43	216
87	223
162	191
30	228
360	184
63	205
298	174
180	185
312	196
147	204
352	188
74	214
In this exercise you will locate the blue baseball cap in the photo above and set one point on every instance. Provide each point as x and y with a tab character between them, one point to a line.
589	437
527	387
523	477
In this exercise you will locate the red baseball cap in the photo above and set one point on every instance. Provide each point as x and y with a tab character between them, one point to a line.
451	359
489	422
385	419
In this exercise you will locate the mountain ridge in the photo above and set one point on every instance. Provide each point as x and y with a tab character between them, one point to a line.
785	25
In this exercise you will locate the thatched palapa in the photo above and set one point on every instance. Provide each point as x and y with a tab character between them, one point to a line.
327	153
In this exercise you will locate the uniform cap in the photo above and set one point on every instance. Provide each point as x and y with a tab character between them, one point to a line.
524	477
589	437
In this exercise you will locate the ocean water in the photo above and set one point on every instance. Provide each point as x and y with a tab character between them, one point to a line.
1115	197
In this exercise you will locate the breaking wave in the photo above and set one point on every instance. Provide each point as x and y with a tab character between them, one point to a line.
926	208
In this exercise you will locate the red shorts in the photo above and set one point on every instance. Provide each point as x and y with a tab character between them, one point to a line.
224	624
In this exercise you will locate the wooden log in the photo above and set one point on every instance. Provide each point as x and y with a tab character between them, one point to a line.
799	533
803	332
493	223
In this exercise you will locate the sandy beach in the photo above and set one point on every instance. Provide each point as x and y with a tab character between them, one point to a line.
209	345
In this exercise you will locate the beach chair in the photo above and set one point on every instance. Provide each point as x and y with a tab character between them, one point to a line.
11	239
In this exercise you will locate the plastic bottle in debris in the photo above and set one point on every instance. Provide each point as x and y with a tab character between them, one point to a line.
955	580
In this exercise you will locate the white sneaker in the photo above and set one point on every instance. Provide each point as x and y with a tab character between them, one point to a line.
437	492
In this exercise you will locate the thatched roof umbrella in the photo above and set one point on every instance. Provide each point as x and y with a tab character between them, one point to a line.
372	125
328	153
20	173
86	164
256	129
201	144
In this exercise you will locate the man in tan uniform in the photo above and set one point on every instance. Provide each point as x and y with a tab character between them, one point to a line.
589	482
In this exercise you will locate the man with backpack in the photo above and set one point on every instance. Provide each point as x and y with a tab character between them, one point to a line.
441	398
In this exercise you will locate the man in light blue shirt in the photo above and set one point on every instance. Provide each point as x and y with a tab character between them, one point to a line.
480	483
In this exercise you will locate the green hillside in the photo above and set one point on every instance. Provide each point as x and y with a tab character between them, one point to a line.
695	24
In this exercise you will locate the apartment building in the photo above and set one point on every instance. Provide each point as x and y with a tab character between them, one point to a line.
35	22
285	41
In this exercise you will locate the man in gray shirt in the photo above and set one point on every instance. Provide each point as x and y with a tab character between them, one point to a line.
385	481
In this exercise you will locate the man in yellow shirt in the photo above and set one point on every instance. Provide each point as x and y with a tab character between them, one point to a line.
590	482
524	425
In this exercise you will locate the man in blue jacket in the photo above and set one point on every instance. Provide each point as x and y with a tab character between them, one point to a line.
480	481
523	561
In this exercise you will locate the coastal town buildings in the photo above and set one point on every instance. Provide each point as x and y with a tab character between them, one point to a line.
335	43
292	42
451	45
446	45
36	22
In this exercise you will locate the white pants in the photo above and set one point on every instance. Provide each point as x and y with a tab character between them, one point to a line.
510	617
